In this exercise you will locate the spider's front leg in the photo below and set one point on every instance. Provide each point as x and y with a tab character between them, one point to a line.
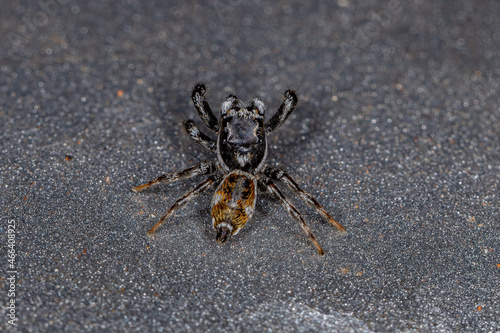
281	175
200	138
283	112
200	169
201	105
272	189
184	200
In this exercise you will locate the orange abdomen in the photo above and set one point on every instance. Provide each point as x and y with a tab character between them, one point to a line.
233	203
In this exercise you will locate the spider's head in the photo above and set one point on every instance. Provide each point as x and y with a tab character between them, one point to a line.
242	141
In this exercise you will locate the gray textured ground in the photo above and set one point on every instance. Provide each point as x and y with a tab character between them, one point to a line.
396	133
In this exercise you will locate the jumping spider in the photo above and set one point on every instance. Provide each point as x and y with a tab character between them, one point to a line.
241	149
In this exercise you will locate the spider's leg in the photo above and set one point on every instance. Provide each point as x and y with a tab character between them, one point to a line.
281	175
283	112
200	138
271	188
184	200
201	105
200	169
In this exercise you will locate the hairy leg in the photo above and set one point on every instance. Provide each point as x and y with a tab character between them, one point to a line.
283	112
208	183
199	169
201	105
281	175
271	188
200	138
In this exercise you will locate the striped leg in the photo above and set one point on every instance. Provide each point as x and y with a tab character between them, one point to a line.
281	175
201	105
271	188
200	169
184	200
200	138
284	111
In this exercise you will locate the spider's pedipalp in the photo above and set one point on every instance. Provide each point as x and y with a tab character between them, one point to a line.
228	104
283	176
259	106
205	185
199	169
201	105
272	189
284	111
199	137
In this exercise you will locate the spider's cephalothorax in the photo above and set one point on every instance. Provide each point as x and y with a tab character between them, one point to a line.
241	149
241	143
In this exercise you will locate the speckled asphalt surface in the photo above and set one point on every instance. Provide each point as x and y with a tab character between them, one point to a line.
396	133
